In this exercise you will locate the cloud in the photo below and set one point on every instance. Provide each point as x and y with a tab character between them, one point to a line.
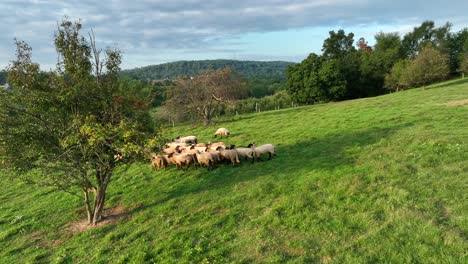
202	26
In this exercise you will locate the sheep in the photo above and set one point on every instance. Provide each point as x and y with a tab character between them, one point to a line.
229	155
159	161
215	145
246	153
200	145
206	159
168	151
173	145
181	159
215	154
222	132
187	139
263	149
190	150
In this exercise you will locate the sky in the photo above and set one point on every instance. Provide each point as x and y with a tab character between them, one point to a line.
158	31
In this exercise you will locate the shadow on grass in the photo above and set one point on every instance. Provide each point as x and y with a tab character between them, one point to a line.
322	154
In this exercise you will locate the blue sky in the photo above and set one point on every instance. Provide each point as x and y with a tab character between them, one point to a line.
156	31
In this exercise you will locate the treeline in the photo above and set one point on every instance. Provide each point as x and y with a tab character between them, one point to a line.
262	77
172	70
347	69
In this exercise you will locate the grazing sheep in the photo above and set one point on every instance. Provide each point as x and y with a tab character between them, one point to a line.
187	139
215	154
263	149
168	151
222	132
158	162
205	159
215	145
229	155
190	150
181	159
173	145
246	153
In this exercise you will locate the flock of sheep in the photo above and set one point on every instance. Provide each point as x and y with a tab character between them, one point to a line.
185	151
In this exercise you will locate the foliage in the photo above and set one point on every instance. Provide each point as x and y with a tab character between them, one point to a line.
279	100
375	180
397	79
201	96
428	67
315	80
338	45
3	77
263	77
70	128
464	64
173	70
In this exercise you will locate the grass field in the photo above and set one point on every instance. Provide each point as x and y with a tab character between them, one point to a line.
381	179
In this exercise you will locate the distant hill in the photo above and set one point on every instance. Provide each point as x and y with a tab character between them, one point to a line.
264	77
249	69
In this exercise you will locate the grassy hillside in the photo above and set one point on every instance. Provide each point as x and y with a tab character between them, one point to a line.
380	179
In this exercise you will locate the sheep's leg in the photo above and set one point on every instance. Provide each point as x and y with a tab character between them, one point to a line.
269	155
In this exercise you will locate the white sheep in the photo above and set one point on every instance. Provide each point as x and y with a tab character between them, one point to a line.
222	132
246	153
263	149
229	155
187	139
158	162
205	159
181	160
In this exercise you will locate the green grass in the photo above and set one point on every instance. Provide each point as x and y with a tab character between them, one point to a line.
381	179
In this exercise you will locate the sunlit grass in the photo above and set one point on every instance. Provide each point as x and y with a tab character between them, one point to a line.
379	179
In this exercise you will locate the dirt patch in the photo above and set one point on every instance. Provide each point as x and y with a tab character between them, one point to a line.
457	103
110	217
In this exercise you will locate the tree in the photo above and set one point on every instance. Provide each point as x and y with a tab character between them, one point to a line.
420	36
315	79
338	44
397	78
70	128
464	65
201	96
429	66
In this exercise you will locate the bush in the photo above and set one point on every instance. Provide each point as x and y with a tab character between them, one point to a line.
428	67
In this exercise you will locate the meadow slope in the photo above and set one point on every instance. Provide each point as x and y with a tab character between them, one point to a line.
379	179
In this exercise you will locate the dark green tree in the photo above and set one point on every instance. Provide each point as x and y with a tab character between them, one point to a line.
315	80
338	45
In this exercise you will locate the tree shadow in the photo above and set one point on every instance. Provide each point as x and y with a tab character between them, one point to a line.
326	153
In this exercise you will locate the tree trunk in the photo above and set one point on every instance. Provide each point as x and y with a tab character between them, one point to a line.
89	211
100	194
99	204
